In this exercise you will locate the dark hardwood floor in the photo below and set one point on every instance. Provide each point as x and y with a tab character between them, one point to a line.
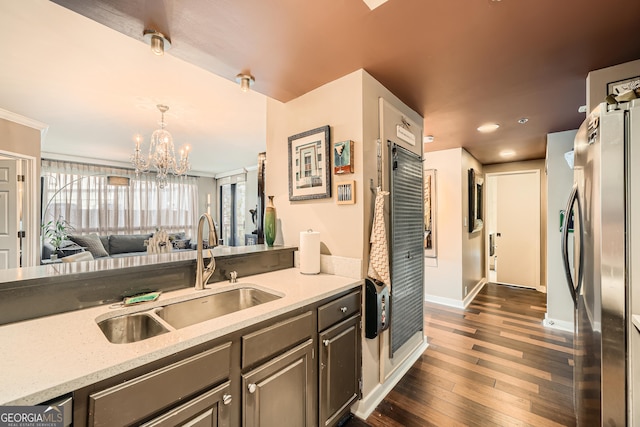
493	364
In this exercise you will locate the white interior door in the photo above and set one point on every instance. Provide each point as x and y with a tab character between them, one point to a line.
518	228
9	243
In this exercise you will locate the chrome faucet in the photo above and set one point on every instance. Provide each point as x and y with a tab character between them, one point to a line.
204	274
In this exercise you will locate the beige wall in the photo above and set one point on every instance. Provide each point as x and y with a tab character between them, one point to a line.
472	243
597	81
531	165
338	104
443	275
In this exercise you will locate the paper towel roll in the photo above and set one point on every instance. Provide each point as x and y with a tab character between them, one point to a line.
309	252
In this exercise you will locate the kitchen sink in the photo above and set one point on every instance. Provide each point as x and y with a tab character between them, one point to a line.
131	328
186	313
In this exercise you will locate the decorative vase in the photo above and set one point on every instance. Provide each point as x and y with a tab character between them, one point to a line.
270	223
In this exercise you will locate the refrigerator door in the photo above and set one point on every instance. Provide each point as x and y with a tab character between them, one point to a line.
587	339
600	333
611	245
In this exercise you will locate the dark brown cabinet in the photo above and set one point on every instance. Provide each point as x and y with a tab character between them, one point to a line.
339	357
281	392
303	369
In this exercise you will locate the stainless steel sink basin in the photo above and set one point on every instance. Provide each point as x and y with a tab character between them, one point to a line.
131	328
186	313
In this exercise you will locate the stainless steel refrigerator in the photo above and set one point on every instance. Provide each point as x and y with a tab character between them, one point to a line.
600	272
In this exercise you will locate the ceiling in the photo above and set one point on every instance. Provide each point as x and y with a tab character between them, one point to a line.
459	63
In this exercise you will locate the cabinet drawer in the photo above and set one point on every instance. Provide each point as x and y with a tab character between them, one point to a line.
270	341
338	310
139	398
208	409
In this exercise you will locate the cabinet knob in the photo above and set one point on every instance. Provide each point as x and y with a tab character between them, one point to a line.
252	388
326	343
343	309
226	399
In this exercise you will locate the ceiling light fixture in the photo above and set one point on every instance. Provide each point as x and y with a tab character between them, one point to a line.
523	120
489	127
161	154
159	42
507	153
246	81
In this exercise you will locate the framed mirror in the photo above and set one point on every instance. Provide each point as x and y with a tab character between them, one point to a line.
476	201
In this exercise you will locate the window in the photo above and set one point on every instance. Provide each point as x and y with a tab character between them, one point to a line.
81	195
232	213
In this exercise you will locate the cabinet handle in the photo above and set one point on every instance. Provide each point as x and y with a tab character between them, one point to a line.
326	343
226	399
252	388
343	309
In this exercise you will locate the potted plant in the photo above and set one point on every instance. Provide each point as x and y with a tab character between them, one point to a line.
57	232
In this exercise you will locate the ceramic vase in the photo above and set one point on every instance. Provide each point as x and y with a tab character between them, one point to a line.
270	223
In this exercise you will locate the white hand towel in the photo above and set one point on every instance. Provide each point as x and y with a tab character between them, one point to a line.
379	254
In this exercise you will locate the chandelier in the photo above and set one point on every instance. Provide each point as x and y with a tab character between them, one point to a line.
161	155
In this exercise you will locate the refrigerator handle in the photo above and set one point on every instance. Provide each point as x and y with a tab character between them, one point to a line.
574	288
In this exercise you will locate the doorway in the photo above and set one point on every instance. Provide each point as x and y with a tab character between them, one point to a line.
19	225
513	228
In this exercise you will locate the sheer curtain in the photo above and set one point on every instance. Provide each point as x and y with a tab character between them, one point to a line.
81	194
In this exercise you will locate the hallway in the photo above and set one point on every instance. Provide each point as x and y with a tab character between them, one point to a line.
493	364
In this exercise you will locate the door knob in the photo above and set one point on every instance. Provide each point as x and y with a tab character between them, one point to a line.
252	388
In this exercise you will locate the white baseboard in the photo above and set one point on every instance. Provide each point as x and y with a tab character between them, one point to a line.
561	325
365	407
450	302
471	295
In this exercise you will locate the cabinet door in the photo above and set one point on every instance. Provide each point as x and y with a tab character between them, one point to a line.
340	369
210	409
281	392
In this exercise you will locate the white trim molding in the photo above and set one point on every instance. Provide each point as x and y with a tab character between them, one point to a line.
462	304
561	325
25	121
365	407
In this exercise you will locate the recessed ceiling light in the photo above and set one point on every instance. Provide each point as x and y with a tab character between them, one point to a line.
427	139
489	127
507	153
523	120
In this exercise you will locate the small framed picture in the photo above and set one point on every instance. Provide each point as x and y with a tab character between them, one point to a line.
346	192
342	157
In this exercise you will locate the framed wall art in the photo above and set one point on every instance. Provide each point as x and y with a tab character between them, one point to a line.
476	201
343	157
346	193
430	213
309	165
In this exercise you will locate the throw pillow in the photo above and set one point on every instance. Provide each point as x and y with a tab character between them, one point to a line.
126	243
92	244
182	244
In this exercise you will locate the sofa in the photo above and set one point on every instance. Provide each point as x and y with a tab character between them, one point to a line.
113	245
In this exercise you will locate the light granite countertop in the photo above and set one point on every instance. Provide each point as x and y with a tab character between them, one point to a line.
44	358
